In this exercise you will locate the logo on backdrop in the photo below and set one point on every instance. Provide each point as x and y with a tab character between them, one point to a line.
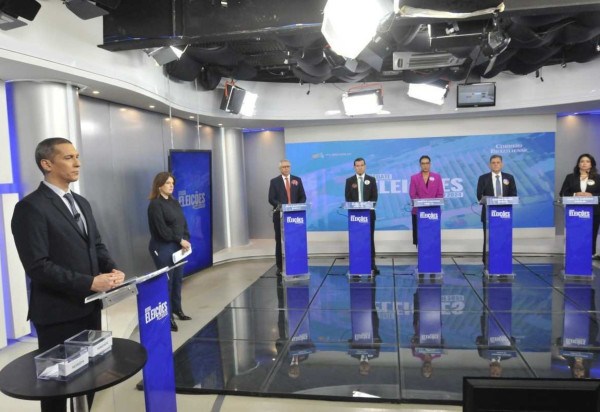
196	200
583	214
158	312
505	214
508	148
386	184
296	220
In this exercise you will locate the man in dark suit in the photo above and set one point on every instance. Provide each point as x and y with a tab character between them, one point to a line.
61	251
495	183
285	188
368	194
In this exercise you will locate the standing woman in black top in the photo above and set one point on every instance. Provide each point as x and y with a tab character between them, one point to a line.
169	233
584	181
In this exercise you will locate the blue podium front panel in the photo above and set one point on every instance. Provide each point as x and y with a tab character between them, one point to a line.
499	239
359	237
429	259
578	240
155	335
295	244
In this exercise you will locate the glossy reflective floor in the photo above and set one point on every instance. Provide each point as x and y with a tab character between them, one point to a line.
398	337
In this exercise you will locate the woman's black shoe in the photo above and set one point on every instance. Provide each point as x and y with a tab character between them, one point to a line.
174	327
182	316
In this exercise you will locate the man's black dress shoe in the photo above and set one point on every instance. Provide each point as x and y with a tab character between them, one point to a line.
174	327
182	316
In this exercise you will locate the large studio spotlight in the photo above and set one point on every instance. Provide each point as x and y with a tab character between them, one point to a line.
434	92
87	9
361	102
11	10
164	55
349	25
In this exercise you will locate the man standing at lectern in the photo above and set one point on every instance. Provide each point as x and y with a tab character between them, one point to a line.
363	188
496	183
283	189
62	252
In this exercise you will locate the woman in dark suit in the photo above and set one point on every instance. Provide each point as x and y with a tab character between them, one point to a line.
585	181
169	233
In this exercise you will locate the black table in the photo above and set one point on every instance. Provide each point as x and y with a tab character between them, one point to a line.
18	379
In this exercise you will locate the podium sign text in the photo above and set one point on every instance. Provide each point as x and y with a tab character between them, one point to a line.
155	335
293	221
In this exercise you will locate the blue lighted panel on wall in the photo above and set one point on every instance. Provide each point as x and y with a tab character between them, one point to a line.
324	167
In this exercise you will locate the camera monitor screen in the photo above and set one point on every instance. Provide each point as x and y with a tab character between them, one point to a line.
476	95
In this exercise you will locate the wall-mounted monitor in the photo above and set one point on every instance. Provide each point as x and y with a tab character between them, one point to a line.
476	95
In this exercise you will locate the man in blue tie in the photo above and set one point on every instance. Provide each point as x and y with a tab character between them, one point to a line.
363	188
496	183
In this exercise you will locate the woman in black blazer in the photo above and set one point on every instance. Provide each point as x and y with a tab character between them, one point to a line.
585	181
168	234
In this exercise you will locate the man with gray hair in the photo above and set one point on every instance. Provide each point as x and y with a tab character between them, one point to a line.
283	189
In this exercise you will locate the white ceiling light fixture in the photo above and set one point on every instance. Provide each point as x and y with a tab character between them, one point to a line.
164	55
350	25
361	102
249	104
434	92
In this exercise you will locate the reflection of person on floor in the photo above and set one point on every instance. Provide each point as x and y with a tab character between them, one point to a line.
426	350
292	327
364	345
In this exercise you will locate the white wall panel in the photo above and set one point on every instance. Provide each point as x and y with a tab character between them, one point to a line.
5	149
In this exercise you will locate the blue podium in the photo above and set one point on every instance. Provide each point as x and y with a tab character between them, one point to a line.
579	214
359	237
155	334
499	224
293	237
429	249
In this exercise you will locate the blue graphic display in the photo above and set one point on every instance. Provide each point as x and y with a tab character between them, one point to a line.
324	167
193	190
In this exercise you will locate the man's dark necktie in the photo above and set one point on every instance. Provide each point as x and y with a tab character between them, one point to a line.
76	214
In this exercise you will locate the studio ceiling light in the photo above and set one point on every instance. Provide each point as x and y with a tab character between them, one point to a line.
362	102
434	92
350	25
164	55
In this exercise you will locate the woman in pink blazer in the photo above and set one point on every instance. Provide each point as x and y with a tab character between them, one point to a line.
424	185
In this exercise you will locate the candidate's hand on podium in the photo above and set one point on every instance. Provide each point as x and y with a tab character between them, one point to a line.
106	281
185	245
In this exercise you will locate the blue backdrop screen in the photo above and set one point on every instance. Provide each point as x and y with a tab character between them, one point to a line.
324	167
193	190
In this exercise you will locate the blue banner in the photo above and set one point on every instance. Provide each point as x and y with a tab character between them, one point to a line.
193	190
296	250
429	252
324	167
155	335
359	238
499	239
578	240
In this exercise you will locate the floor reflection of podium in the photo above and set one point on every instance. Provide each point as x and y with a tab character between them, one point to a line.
496	343
427	342
578	344
365	343
297	328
